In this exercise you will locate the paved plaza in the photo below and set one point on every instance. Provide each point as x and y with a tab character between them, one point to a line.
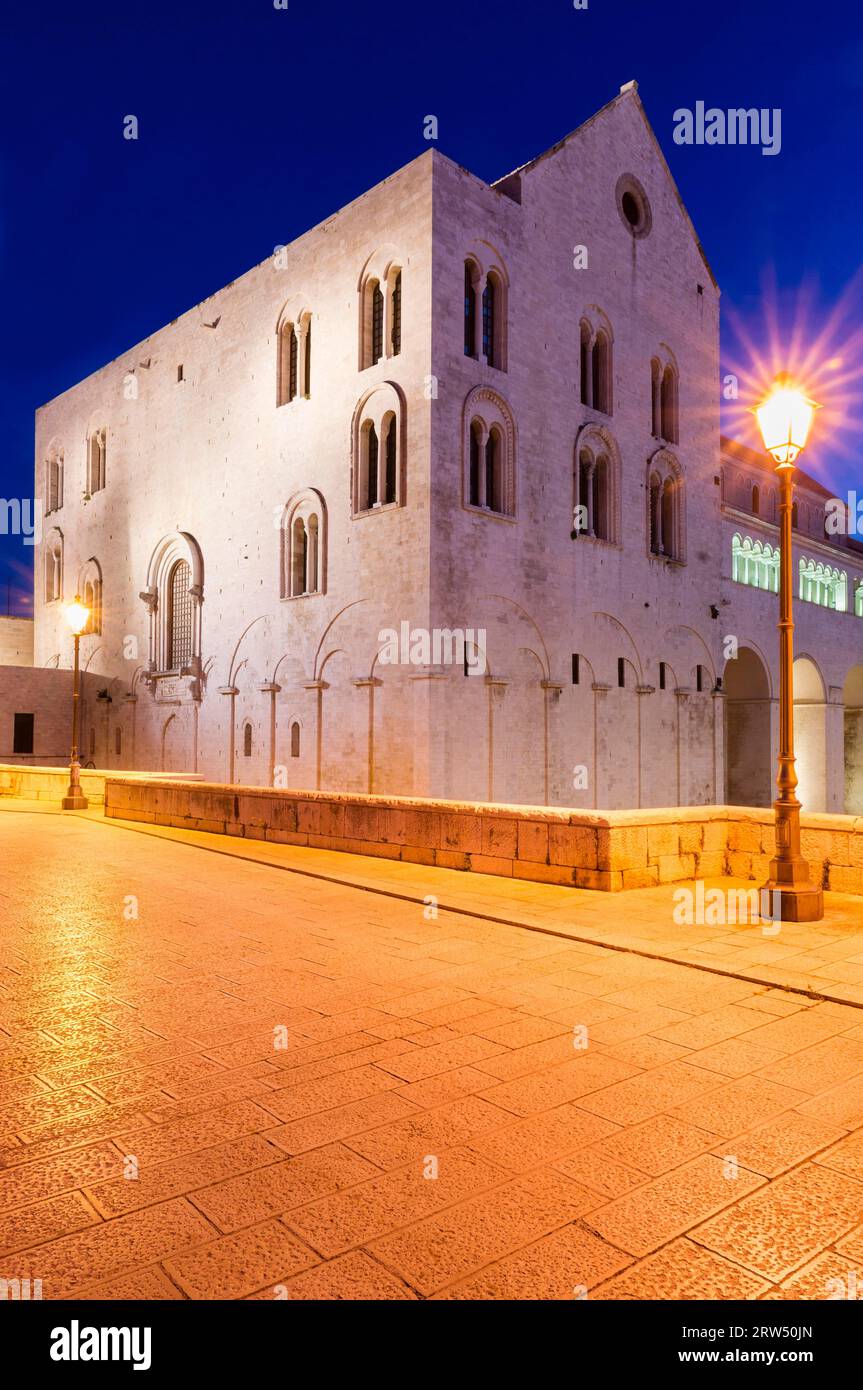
279	1073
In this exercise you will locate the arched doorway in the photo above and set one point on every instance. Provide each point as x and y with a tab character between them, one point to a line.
748	769
852	696
810	735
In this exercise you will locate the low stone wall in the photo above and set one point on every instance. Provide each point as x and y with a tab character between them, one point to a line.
49	783
607	851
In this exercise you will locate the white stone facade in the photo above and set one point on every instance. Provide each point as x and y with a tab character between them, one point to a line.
359	434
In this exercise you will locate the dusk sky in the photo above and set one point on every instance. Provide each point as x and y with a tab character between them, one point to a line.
257	123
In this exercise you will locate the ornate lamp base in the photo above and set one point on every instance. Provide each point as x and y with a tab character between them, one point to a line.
792	902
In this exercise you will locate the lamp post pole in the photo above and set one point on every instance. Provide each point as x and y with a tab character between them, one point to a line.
75	800
791	897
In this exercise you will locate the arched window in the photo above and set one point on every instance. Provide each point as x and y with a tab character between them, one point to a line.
596	472
304	545
668	405
295	740
858	599
666	507
596	363
470	292
489	453
247	740
54	469
655	398
396	313
54	567
174	599
96	459
90	589
486	288
377	298
294	364
824	585
795	516
378	435
755	501
601	364
179	620
755	563
476	437
489	297
390	437
585	337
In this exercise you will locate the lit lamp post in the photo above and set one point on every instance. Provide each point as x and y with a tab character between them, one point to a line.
785	419
77	615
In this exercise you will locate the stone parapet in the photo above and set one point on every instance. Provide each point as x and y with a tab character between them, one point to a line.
607	851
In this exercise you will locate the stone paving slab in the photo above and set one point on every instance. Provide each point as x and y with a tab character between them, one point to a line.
220	1080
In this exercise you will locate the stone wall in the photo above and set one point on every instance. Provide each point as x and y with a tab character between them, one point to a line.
608	852
16	641
49	783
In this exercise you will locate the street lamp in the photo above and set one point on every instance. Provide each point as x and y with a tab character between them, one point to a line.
77	615
785	419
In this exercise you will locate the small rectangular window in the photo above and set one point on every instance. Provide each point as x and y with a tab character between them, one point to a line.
180	376
22	738
621	671
662	675
118	742
699	678
575	668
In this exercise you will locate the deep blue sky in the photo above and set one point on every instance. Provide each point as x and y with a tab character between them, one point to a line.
256	123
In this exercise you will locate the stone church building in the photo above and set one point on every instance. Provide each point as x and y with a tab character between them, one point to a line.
452	408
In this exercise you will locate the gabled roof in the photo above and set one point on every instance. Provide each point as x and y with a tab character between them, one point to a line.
627	93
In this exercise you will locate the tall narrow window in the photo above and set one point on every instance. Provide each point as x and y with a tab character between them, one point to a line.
655	518
601	373
576	668
655	395
299	557
180	616
795	516
96	461
585	364
377	323
247	740
293	366
396	336
371	466
295	740
474	464
118	742
469	311
390	460
493	471
600	499
756	501
307	369
669	405
489	296
621	671
668	545
662	675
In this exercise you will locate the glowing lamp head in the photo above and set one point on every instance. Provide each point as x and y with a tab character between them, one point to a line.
785	419
77	615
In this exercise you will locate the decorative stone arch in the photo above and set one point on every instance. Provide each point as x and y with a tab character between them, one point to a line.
380	321
303	560
747	688
55	469
53	562
486	312
594	443
293	351
605	624
810	732
174	549
378	450
90	591
852	699
666	507
486	418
